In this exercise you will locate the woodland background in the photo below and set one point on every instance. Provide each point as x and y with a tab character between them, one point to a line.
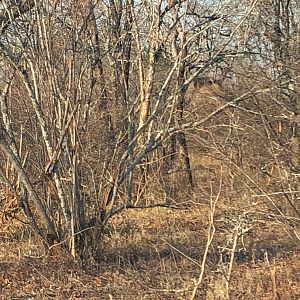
149	149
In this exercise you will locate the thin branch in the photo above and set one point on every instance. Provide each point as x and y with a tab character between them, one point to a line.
8	15
120	208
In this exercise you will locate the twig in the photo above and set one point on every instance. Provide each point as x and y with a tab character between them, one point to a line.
210	235
186	256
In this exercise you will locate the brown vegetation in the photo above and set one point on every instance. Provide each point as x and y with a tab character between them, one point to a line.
149	150
157	255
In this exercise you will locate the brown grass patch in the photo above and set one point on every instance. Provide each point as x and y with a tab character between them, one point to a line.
155	254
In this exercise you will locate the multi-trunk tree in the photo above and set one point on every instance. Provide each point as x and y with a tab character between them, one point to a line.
94	97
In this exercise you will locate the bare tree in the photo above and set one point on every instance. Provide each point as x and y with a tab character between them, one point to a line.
95	96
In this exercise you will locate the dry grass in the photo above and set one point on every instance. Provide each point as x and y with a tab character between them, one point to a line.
155	254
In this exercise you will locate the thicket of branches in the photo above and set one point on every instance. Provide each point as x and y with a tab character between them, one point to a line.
103	102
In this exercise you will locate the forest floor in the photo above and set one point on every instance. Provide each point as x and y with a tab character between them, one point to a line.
157	254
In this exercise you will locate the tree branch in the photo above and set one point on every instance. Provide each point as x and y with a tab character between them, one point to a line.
11	13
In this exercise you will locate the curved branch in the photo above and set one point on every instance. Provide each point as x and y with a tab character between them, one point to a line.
8	15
